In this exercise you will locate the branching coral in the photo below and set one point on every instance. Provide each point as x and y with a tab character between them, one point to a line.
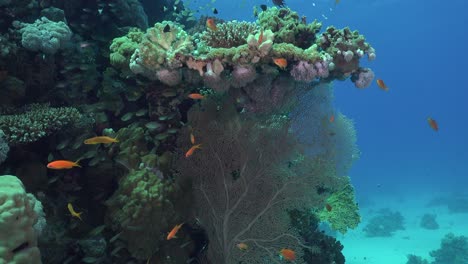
246	178
228	35
384	224
4	148
37	121
288	27
453	250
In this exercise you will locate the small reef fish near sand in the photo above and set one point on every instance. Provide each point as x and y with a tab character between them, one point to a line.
281	62
211	24
62	164
382	85
433	124
196	96
192	149
73	212
100	140
174	231
288	254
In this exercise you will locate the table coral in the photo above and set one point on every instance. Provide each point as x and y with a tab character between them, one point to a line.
228	35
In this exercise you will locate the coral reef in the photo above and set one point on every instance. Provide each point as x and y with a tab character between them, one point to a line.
453	250
37	121
122	48
412	259
19	212
384	224
4	148
343	212
428	221
229	34
44	35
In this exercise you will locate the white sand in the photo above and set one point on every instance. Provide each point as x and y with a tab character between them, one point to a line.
359	249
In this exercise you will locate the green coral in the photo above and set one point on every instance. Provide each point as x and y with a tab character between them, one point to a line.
142	211
163	46
344	211
37	121
123	47
288	27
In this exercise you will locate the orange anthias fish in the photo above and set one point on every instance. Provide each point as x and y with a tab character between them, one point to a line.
281	62
211	24
260	38
62	164
100	140
382	85
192	138
174	231
332	118
192	149
242	246
433	124
196	96
288	254
73	212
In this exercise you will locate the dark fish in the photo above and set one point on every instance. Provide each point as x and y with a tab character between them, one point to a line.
167	28
279	3
215	11
264	7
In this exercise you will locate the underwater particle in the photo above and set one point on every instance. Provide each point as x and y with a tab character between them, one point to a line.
433	124
167	28
279	3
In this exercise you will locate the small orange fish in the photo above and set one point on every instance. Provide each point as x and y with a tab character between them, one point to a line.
433	124
288	254
192	138
192	149
382	85
174	231
62	164
196	96
332	118
260	38
211	24
281	62
100	140
329	207
242	246
337	2
73	212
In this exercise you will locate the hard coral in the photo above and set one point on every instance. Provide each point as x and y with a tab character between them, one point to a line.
44	35
228	35
161	49
363	77
37	121
123	47
4	148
